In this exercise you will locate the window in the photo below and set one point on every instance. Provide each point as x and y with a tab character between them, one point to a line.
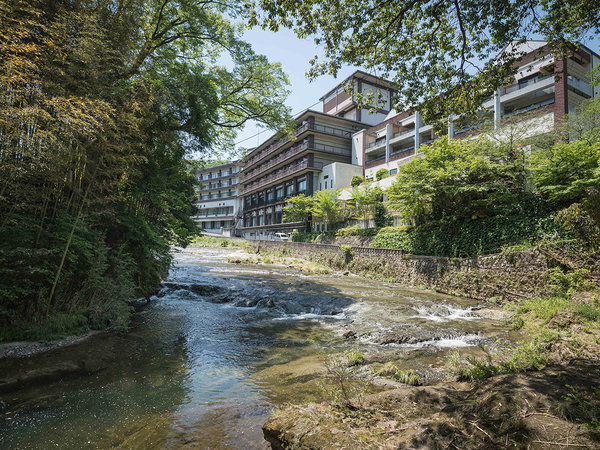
393	171
279	193
269	195
289	190
302	186
326	185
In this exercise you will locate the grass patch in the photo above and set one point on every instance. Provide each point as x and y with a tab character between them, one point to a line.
525	357
210	241
57	326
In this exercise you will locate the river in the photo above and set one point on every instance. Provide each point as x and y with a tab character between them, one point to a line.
222	345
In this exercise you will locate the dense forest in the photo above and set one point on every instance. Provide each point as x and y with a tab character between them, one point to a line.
101	103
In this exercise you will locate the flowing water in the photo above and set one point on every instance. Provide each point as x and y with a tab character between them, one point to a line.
222	345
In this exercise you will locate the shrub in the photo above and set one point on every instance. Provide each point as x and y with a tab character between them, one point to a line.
381	174
357	180
381	217
355	231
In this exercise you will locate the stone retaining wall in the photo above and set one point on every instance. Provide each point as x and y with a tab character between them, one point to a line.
504	275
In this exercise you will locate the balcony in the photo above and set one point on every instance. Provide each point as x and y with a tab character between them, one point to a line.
280	175
579	85
294	151
333	131
529	108
213	186
216	197
530	86
301	129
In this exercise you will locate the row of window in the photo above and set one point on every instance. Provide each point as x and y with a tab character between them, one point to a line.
276	194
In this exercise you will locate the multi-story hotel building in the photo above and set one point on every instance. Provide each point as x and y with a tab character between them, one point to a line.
319	157
218	198
545	86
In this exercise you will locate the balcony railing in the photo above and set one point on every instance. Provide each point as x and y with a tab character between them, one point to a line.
301	129
529	108
523	85
293	152
403	152
403	132
378	143
216	197
373	162
210	187
280	175
580	85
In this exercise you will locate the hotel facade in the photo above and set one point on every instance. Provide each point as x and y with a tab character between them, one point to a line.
346	139
218	205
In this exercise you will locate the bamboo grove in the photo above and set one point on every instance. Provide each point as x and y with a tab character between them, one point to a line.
101	102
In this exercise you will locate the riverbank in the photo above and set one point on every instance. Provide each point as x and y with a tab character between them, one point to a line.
555	408
548	380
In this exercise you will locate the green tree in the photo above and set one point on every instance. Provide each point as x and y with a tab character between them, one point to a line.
381	217
299	209
564	171
327	208
363	200
101	102
459	179
430	47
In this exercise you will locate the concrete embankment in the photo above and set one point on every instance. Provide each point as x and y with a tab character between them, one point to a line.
504	276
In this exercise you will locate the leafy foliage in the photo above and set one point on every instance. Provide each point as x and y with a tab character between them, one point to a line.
357	180
381	174
100	104
327	208
299	209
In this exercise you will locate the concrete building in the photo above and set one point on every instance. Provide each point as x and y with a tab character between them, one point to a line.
545	89
318	157
218	198
281	168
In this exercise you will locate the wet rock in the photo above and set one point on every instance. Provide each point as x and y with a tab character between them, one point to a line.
349	335
246	302
219	299
414	334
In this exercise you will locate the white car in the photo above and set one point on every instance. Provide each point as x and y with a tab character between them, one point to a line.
281	237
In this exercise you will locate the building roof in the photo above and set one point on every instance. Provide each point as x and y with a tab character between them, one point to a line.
362	76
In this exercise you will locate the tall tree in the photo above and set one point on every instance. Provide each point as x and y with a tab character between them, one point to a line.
327	208
299	209
363	200
100	103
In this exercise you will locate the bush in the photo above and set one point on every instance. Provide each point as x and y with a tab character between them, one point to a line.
355	231
357	180
468	237
381	174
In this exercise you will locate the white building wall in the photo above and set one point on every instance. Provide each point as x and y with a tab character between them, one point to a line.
337	175
357	148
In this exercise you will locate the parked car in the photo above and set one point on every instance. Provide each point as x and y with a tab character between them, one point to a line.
281	237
